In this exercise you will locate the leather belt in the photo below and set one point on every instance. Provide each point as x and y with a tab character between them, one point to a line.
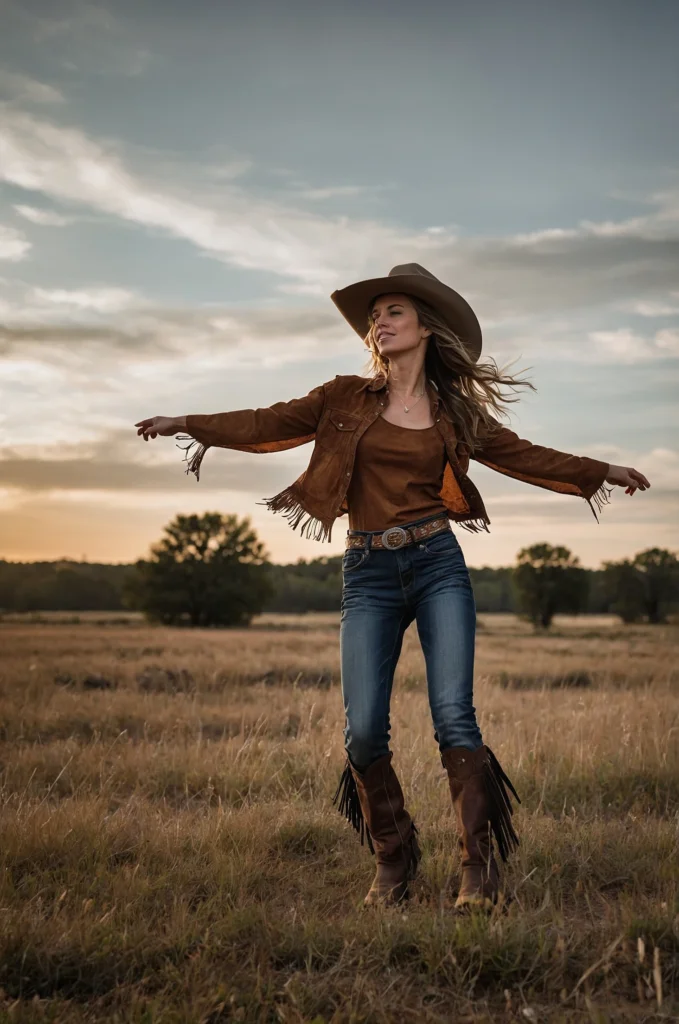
398	536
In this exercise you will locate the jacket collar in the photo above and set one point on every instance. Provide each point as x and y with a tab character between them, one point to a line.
374	383
379	382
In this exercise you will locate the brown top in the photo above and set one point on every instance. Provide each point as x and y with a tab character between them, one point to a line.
398	473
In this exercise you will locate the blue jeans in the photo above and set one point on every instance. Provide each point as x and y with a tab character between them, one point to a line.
382	593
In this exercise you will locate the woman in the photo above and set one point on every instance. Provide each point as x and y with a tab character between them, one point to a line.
393	451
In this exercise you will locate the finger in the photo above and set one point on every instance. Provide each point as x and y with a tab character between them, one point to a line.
640	477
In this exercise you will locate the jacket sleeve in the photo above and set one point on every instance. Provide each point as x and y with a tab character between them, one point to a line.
270	429
506	452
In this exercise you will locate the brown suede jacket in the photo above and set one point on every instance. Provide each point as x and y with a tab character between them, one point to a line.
335	415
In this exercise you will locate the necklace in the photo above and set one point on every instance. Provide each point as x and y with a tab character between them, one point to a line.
407	408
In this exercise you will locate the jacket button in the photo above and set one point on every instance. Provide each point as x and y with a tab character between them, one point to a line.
340	424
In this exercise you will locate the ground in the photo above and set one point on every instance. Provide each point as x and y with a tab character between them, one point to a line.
170	851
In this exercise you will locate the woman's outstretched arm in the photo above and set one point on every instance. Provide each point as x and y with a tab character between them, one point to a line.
271	429
506	452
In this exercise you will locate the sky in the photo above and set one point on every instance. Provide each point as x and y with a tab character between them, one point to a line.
182	186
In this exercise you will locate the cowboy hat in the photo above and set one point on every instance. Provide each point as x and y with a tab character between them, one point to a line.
355	300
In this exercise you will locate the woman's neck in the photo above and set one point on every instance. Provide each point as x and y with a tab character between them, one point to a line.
406	380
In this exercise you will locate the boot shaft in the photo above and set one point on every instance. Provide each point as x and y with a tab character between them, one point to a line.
373	803
478	789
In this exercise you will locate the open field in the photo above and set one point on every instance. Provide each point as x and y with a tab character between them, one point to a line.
170	852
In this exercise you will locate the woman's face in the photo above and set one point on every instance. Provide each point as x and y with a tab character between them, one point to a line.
396	326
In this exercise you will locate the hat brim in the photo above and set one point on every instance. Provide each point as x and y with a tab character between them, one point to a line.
355	300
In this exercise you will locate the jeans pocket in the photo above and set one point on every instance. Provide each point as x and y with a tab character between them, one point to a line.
441	544
353	558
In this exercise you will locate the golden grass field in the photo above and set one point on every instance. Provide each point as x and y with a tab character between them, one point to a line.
170	853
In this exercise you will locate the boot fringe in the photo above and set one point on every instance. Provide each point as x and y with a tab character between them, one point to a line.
600	498
500	808
350	805
193	461
288	503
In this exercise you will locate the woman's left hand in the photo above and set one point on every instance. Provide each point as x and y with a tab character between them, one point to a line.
627	477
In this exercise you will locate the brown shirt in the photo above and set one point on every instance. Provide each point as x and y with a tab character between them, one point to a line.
397	476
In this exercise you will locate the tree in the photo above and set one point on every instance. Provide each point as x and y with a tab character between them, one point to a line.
210	570
646	586
548	580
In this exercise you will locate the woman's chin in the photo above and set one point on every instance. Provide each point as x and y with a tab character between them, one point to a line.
392	350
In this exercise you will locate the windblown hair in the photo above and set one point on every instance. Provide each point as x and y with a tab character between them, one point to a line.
474	394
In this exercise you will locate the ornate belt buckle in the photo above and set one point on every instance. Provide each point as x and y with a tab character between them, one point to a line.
395	537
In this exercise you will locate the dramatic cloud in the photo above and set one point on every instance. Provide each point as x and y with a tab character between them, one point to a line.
592	265
66	164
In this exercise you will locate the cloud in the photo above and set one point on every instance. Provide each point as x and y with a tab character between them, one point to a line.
626	346
13	245
119	462
50	321
563	274
97	300
90	37
46	218
504	278
591	265
653	309
247	232
330	192
16	86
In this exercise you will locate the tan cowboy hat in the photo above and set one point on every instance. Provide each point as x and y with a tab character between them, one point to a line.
355	300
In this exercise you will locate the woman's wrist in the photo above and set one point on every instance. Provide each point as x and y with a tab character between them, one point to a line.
180	421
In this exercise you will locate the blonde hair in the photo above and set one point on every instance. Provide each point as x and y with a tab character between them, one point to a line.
472	393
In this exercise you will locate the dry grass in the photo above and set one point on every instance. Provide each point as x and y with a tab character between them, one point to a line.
170	852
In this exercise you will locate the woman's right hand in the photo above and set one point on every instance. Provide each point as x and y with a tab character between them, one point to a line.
166	426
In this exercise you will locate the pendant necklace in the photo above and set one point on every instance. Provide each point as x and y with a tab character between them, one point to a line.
407	408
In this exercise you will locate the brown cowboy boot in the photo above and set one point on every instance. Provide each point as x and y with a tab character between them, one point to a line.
373	802
483	809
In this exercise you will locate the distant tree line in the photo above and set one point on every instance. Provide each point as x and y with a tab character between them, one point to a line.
212	570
